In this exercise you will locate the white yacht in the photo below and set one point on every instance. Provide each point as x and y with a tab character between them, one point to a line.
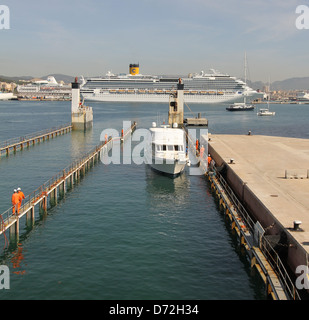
240	106
167	150
6	95
266	112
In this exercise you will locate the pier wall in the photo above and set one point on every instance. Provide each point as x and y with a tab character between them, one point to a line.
284	239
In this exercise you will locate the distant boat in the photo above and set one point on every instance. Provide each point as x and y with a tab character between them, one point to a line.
266	112
6	95
242	106
167	151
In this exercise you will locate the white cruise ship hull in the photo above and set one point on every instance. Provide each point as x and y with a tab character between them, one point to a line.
163	98
6	95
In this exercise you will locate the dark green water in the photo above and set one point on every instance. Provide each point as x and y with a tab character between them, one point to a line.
125	232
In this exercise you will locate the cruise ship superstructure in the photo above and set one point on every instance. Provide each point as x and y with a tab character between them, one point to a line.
48	88
212	87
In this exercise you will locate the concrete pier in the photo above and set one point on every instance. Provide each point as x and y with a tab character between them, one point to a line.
269	175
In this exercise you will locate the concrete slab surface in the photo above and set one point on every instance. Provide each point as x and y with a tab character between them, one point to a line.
262	162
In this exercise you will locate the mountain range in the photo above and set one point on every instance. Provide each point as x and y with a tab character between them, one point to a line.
300	83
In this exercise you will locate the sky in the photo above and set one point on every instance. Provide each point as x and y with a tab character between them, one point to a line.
168	37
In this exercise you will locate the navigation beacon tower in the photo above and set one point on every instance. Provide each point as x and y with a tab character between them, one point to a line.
81	116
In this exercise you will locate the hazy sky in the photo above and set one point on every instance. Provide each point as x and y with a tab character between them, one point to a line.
165	36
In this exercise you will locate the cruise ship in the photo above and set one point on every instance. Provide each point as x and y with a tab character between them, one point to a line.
47	89
212	87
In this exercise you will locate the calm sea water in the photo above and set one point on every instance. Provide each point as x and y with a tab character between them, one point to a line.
125	232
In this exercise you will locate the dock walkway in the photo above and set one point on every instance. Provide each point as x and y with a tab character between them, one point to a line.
250	232
275	169
269	176
14	144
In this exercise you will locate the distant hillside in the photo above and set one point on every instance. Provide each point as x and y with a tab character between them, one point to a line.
256	84
14	79
291	84
287	84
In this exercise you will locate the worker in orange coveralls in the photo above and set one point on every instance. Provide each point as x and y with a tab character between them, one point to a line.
209	159
15	201
21	198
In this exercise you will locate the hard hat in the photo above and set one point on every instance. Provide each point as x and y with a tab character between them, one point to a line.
15	190
18	189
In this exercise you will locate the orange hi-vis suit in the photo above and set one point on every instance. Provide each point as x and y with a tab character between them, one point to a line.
209	159
21	198
15	202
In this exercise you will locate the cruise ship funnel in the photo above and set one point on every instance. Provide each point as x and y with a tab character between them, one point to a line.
134	69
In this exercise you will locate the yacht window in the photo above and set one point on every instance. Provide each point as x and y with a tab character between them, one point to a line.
158	147
176	148
164	147
170	148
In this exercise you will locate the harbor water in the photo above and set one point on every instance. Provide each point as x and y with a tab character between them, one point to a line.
125	232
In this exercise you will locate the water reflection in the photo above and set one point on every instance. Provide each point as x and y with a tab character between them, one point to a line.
166	192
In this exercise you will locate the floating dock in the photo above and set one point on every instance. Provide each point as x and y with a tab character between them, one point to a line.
269	177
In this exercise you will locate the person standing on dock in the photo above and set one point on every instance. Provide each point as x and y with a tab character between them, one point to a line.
209	160
202	151
15	201
21	198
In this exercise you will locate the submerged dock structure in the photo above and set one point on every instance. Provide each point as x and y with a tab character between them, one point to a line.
51	191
